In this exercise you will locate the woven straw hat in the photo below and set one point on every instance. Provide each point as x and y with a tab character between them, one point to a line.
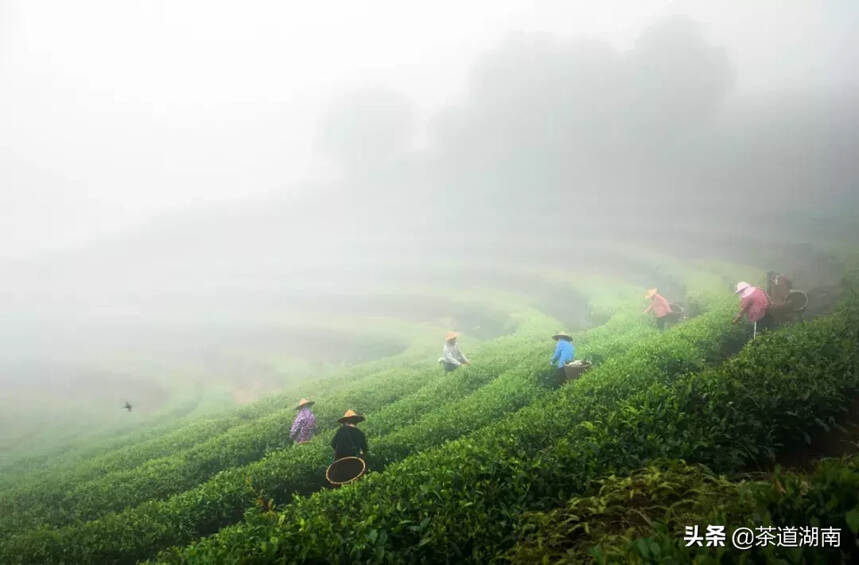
351	417
304	402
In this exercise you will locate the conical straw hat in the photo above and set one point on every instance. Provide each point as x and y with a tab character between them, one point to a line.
304	402
351	417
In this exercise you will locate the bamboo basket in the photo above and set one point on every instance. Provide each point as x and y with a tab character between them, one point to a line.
345	470
572	372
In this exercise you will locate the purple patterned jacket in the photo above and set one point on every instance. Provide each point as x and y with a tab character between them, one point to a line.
303	426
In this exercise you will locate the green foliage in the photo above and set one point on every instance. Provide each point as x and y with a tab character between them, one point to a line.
460	501
223	498
641	518
445	447
441	410
616	510
180	460
159	478
52	482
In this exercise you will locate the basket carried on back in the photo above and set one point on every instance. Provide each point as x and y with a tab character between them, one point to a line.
677	312
345	470
576	369
792	308
797	301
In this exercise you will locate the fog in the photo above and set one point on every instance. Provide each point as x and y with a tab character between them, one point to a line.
214	198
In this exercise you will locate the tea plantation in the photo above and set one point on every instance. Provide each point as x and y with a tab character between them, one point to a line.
494	462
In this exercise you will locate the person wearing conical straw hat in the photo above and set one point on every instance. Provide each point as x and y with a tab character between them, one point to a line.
349	441
304	425
753	303
565	351
659	306
451	357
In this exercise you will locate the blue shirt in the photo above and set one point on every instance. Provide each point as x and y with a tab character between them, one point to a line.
564	352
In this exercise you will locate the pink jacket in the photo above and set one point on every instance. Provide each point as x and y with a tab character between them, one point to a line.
755	305
659	306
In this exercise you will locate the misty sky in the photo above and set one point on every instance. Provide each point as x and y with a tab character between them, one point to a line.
114	111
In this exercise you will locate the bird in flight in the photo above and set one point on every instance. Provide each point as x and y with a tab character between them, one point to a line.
127	406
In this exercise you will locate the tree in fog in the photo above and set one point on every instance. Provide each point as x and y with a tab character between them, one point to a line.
551	124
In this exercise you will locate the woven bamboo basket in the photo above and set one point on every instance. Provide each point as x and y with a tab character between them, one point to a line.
345	470
572	371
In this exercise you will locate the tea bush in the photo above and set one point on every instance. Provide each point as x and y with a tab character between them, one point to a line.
223	499
451	502
641	518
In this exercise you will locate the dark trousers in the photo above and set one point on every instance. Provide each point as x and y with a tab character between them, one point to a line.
660	322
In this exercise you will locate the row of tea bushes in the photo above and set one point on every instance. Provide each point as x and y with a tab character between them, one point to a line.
263	430
461	502
433	505
223	499
642	517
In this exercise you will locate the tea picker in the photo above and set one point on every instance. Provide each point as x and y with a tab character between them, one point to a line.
660	307
753	303
778	288
350	448
451	357
304	425
786	303
564	352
